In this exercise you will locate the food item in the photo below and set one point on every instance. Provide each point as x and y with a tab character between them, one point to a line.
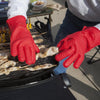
42	59
47	52
41	46
4	56
38	41
39	3
7	71
9	66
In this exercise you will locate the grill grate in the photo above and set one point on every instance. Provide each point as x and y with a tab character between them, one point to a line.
18	75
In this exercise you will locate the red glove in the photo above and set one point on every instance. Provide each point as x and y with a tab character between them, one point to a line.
21	41
75	46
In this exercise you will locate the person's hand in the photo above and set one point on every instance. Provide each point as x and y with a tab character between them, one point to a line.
75	46
21	41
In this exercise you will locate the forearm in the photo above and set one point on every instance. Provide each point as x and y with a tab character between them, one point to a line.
17	7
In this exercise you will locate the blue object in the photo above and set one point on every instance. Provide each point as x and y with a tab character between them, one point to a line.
60	68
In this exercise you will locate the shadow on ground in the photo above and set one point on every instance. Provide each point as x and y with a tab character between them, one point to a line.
92	73
84	89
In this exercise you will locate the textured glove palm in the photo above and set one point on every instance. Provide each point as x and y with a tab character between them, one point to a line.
75	46
21	41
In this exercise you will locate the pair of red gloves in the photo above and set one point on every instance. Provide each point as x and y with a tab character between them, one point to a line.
73	46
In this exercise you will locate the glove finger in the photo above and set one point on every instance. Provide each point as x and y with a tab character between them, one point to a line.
21	55
70	60
13	48
60	43
36	48
28	55
66	45
78	61
33	55
64	53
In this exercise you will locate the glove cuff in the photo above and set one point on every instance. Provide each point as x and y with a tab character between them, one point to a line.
92	35
16	21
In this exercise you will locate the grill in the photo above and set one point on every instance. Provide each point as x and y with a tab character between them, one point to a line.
22	76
